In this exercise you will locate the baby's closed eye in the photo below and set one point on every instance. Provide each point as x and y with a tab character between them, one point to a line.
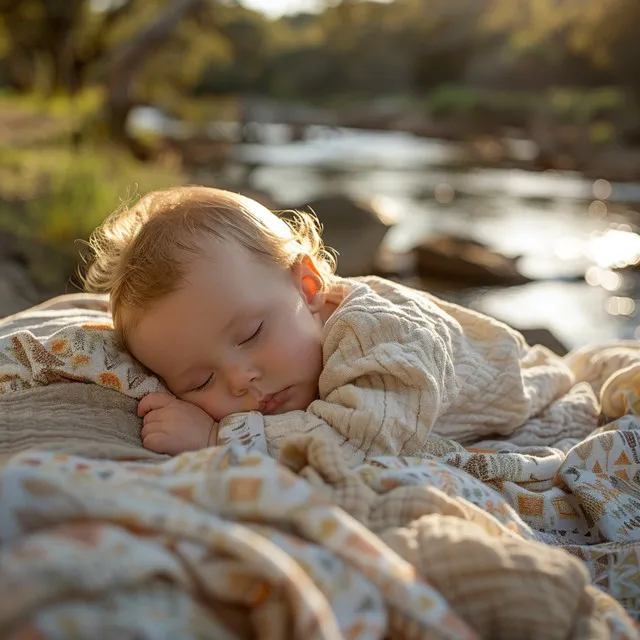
254	335
206	384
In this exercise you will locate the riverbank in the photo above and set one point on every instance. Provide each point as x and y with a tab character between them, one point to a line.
595	132
56	193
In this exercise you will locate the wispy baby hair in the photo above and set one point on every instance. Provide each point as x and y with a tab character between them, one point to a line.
141	253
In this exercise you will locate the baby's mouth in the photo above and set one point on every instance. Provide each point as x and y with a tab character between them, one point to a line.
271	403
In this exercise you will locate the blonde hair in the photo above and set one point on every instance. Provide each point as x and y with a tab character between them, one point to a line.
141	253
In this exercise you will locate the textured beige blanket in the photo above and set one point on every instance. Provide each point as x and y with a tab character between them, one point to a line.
223	543
401	365
217	543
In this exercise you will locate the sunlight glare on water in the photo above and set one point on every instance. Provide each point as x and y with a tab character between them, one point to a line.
561	225
615	247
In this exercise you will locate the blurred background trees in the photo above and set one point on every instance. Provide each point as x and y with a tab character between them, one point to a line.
74	71
352	49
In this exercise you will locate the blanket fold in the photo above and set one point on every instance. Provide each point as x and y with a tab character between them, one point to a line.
535	533
158	545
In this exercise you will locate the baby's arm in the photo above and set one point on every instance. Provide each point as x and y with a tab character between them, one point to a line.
173	426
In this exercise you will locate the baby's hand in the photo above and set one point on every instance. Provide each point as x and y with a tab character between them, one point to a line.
173	426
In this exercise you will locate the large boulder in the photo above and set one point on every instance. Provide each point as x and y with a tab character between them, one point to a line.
17	291
540	335
31	272
354	228
465	261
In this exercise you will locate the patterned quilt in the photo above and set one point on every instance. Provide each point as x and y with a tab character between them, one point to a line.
494	541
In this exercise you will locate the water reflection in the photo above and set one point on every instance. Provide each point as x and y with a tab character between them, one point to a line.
561	224
615	247
602	189
352	149
618	306
605	278
573	312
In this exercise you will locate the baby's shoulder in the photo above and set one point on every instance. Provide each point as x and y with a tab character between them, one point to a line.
377	296
374	309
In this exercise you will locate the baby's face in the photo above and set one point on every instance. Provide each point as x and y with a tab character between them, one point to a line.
240	335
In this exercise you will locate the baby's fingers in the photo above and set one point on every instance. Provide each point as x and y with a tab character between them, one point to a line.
153	401
151	426
157	441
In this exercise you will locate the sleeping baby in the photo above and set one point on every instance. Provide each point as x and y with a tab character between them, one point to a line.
240	312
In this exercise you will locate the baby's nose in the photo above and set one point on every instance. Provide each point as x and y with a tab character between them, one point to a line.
240	380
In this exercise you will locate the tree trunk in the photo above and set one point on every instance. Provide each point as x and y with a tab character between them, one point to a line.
128	61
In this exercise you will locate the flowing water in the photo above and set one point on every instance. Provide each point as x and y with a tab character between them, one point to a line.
562	225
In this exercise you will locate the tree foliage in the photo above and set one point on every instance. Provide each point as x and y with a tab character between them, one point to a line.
601	33
359	47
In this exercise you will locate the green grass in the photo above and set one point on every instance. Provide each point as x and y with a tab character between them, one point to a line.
53	193
84	104
57	195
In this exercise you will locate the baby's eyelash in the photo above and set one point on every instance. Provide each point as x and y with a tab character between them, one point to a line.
205	384
255	335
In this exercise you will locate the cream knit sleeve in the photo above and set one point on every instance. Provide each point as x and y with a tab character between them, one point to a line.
386	379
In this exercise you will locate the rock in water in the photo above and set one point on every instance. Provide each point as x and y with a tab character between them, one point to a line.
466	261
546	338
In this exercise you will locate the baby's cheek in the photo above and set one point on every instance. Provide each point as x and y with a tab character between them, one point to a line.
218	406
309	355
302	345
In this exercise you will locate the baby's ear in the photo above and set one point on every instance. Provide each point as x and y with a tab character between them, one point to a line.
309	282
